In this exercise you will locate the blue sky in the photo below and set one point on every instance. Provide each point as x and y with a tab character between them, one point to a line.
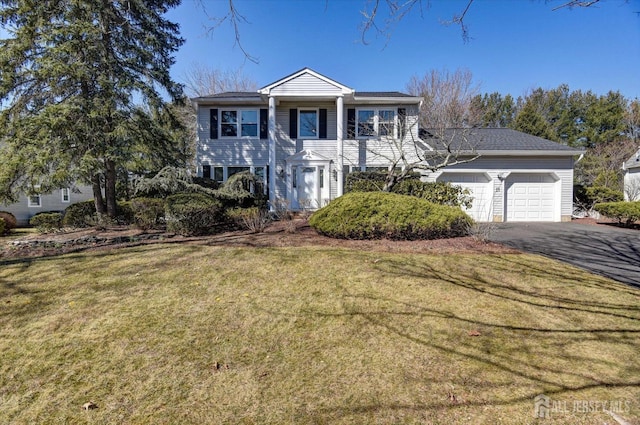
515	46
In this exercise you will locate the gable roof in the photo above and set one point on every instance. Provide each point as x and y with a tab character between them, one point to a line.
307	74
633	162
498	141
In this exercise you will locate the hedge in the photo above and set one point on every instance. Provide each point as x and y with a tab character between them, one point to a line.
148	213
79	214
10	221
3	226
193	214
376	215
627	212
442	193
46	221
83	214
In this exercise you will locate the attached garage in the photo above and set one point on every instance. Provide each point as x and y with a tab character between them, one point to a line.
532	197
480	187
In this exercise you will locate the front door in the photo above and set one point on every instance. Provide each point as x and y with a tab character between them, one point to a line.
307	188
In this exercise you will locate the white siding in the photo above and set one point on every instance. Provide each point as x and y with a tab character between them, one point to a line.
307	85
49	202
561	167
632	184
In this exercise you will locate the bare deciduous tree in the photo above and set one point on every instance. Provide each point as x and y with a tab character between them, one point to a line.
201	80
445	126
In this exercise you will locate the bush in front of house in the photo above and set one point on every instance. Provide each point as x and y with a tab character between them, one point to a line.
442	193
10	221
190	214
624	212
148	213
83	214
377	215
46	221
79	214
124	212
3	226
253	219
586	197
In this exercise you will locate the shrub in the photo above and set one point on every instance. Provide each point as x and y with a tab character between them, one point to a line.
79	214
627	212
10	221
586	197
376	215
124	212
3	226
148	213
253	219
442	193
193	214
236	191
46	221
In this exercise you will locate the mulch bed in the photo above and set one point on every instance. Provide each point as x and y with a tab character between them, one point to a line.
279	234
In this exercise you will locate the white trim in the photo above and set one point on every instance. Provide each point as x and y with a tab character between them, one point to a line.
376	122
317	112
238	123
62	193
31	204
267	89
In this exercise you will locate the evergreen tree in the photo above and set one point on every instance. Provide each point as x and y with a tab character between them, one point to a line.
71	73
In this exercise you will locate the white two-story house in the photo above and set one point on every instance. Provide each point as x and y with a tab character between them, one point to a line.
303	133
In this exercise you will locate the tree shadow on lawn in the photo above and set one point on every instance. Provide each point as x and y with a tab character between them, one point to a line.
550	357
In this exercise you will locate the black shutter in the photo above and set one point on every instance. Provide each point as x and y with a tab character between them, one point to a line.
264	123
351	123
213	123
206	171
323	123
293	123
402	122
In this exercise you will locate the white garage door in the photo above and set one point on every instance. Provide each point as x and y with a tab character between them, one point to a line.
480	187
530	197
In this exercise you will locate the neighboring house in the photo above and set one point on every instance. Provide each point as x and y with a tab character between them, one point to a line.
632	178
58	200
303	133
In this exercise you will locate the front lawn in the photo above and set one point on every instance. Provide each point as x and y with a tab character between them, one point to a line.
196	334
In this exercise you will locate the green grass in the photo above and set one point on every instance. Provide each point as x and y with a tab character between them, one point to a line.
194	334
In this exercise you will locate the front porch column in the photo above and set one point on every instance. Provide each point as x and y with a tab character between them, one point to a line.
272	153
340	145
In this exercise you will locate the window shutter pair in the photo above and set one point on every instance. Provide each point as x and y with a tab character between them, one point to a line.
293	123
213	123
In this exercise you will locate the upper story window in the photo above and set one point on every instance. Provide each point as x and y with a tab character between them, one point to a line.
376	122
239	122
308	123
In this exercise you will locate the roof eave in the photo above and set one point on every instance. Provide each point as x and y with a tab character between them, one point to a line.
528	152
384	100
242	100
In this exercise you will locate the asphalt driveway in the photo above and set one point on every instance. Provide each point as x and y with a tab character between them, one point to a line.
605	250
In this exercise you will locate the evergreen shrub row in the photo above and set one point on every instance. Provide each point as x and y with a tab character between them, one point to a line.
46	221
376	215
625	212
442	193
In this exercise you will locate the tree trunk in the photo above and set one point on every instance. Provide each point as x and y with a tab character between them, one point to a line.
97	194
110	187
